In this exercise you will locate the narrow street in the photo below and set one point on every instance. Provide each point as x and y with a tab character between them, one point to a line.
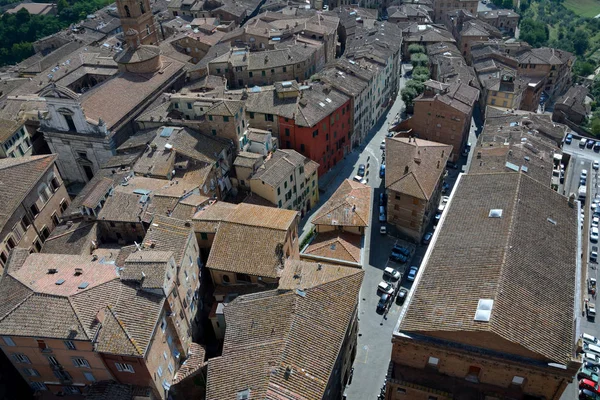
375	330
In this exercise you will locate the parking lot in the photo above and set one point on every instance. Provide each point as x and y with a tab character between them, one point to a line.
582	158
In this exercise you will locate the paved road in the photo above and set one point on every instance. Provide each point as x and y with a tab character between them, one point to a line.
582	159
375	330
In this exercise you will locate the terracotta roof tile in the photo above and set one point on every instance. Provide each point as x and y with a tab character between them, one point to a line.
336	245
415	167
270	332
18	176
508	259
350	205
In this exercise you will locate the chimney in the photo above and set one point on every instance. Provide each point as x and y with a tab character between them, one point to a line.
79	271
438	164
442	153
406	170
100	316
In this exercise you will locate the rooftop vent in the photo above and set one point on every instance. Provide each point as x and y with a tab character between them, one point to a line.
60	282
484	310
553	222
495	213
52	270
300	293
83	285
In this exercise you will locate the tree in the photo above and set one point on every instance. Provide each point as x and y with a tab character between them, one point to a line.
580	43
595	125
408	94
497	3
61	5
416	85
416	48
420	73
419	59
533	32
583	68
507	4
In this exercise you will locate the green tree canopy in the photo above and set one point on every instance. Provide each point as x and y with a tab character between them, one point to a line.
533	32
419	60
416	48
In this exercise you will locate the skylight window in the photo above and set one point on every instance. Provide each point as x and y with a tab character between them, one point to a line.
495	213
484	310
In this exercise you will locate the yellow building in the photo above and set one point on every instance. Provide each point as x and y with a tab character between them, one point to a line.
288	180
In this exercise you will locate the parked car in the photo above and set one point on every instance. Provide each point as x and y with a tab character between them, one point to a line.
582	182
445	187
402	250
391	134
383	303
383	229
595	221
382	199
391	273
400	258
594	234
412	274
587	338
427	238
401	297
382	145
591	366
382	171
596	164
444	200
590	385
586	394
585	373
381	214
452	165
385	287
591	358
360	179
583	174
569	139
582	143
594	254
361	170
590	143
466	150
597	147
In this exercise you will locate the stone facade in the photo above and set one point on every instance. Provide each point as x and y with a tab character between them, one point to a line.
421	370
37	215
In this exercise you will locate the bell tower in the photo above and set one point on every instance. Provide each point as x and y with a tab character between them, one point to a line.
137	15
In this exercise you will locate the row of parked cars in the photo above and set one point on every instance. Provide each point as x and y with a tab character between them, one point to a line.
389	287
588	374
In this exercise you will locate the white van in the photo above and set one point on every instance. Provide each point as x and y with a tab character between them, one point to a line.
592	348
391	273
582	142
587	338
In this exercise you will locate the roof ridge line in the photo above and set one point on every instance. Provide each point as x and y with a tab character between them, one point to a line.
76	312
122	325
19	304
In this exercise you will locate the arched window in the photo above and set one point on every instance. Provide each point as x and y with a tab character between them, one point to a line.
142	7
127	11
148	29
